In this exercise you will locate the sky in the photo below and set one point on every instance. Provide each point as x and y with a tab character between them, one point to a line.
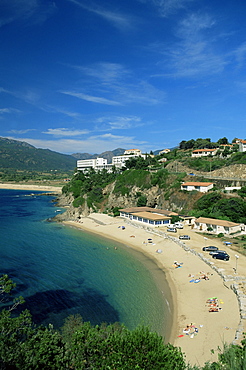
95	75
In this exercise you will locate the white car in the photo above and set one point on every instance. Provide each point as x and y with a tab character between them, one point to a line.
178	225
172	226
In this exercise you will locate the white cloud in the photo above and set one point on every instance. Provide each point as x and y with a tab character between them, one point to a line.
93	144
194	54
8	110
118	123
13	10
115	79
240	54
108	73
90	98
21	132
65	132
119	20
5	110
169	7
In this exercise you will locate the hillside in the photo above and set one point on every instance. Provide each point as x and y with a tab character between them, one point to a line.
19	155
106	155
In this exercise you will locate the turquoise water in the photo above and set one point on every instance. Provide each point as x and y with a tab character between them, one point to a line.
61	270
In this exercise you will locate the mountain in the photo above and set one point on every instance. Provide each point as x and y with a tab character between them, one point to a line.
19	155
106	155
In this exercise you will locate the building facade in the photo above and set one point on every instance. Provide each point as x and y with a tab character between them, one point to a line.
148	216
203	187
217	226
101	163
242	146
203	152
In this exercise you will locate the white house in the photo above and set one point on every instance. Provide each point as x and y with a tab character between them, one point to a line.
217	226
242	146
203	187
133	151
203	152
164	151
120	160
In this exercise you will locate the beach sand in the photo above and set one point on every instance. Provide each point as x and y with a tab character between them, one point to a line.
56	189
189	298
212	329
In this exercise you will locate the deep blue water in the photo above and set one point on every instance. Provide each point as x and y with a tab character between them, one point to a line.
62	271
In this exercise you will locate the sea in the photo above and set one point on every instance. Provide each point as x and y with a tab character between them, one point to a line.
62	271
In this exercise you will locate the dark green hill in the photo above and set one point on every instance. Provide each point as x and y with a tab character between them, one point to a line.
19	155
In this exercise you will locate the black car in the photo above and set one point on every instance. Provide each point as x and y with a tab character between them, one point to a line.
221	256
210	248
218	251
184	237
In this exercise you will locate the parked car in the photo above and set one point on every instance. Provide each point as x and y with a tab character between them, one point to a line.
178	225
210	248
221	256
171	226
172	229
218	251
184	237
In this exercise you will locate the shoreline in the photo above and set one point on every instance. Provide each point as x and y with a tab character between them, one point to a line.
56	189
189	298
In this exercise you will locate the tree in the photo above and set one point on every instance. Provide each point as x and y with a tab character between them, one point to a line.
115	347
242	192
223	141
142	201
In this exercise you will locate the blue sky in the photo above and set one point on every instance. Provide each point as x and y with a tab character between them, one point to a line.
96	75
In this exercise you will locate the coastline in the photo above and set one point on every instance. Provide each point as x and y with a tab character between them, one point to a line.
189	298
56	189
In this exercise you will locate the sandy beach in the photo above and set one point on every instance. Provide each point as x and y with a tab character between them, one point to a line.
190	291
56	189
206	330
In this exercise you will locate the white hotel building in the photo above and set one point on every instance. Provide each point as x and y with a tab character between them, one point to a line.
101	163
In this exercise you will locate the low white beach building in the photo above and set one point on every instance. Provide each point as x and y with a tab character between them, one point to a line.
148	215
217	226
203	187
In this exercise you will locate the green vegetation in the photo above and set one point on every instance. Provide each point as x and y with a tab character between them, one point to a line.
242	192
127	179
18	155
213	163
213	205
78	345
48	177
88	185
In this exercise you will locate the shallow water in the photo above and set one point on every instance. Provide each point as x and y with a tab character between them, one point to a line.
62	270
